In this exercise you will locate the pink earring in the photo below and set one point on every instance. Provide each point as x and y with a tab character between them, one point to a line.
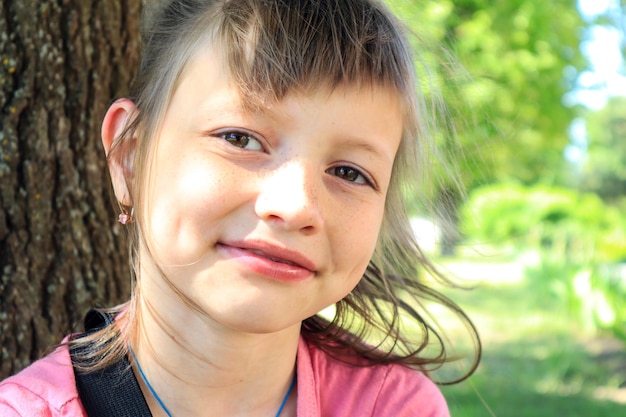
124	217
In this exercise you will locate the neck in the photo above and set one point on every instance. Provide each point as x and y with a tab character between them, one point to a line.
195	364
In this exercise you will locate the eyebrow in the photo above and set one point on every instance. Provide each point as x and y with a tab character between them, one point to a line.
346	141
349	142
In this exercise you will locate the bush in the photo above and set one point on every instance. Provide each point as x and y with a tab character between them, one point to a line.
580	239
554	219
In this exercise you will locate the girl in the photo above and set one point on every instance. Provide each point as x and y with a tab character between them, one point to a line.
259	169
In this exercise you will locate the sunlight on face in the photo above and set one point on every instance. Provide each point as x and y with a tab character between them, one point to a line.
262	219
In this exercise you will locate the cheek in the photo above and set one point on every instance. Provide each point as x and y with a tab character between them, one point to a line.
356	239
353	249
186	204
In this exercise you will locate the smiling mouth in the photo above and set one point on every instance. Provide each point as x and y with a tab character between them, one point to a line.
269	260
273	252
273	258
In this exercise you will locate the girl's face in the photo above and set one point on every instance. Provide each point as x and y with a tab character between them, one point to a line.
264	218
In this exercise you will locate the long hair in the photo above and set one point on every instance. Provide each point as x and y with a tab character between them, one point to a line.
276	47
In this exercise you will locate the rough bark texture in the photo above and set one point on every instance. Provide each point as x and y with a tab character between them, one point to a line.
61	251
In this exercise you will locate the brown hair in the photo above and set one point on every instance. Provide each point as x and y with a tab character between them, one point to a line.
272	48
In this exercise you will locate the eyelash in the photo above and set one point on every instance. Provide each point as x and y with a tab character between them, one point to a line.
235	135
341	171
366	181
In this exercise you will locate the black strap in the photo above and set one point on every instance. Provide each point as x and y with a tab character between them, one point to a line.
113	391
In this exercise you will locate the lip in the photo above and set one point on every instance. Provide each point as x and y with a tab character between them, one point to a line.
270	260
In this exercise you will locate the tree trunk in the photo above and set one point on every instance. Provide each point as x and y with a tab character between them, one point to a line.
61	251
447	203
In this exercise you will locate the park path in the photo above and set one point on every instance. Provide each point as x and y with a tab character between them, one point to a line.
506	311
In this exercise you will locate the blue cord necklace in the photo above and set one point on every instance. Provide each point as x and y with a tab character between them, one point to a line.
156	396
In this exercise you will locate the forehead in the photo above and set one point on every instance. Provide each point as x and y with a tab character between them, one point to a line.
362	115
209	65
206	77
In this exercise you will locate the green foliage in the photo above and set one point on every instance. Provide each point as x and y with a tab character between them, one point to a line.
507	114
593	293
557	219
535	362
604	170
581	242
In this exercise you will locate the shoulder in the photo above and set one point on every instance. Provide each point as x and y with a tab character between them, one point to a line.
340	389
409	392
45	388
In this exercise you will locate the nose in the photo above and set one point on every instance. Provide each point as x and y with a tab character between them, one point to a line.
289	198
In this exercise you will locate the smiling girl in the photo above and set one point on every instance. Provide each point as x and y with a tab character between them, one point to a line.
259	168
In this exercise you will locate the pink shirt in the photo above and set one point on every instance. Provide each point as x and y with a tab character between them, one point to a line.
326	388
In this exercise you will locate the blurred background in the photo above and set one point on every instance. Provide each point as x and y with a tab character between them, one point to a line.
535	125
540	128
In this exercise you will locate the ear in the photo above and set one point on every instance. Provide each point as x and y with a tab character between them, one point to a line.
120	153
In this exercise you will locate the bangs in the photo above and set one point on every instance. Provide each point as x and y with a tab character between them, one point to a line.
275	47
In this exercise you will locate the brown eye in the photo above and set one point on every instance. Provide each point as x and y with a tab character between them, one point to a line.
242	140
349	174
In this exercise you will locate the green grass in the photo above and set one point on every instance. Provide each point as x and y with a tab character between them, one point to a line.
536	361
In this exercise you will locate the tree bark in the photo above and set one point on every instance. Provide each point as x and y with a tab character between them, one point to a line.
61	251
